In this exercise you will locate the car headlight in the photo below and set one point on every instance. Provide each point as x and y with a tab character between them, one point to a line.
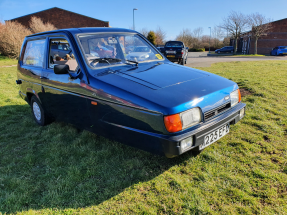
190	117
235	97
177	122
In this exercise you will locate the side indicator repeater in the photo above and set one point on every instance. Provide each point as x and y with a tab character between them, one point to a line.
94	103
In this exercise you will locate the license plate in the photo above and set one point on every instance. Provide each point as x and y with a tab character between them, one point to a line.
170	52
214	136
170	56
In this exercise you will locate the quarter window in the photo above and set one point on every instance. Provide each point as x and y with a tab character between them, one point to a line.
34	53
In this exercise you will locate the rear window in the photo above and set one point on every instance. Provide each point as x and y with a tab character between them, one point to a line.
283	47
174	44
34	53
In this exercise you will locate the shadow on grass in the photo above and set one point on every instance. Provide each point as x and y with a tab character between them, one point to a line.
59	166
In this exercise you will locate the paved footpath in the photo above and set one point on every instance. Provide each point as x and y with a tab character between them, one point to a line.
200	59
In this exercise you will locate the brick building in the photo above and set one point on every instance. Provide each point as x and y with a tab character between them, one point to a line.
61	18
276	37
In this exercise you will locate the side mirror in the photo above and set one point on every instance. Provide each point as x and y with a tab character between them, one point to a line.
61	69
187	48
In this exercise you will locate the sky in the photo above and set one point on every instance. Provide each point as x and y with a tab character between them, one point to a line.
171	16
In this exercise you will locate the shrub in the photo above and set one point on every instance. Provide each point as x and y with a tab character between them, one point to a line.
197	50
151	37
12	35
37	25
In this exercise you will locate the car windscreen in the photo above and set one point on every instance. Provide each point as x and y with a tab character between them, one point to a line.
174	44
110	49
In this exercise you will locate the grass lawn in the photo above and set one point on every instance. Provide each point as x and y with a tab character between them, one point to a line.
58	169
5	61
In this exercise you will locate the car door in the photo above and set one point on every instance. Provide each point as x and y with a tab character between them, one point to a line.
61	94
31	65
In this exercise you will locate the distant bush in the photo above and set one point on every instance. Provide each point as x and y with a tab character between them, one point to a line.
12	35
37	25
151	37
196	50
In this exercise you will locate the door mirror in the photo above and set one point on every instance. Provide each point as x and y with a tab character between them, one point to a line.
187	48
61	69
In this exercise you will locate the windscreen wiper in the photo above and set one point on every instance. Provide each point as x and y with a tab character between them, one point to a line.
105	60
109	60
133	62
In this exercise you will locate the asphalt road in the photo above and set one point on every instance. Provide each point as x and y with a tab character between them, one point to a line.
200	59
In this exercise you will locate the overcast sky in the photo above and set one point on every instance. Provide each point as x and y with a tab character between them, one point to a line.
171	16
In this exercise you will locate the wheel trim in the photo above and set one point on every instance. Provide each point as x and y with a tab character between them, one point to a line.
36	111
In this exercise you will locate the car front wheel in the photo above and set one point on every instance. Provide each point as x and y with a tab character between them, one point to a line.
40	116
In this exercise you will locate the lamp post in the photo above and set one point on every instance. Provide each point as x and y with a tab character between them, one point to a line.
209	39
134	17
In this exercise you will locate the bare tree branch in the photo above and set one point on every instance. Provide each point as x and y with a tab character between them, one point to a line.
235	23
260	26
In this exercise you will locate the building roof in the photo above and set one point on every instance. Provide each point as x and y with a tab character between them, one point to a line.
55	8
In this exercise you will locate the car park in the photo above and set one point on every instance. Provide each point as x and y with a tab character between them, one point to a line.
225	49
279	51
145	102
140	53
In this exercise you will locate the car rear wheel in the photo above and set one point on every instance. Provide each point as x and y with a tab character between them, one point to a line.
40	116
181	61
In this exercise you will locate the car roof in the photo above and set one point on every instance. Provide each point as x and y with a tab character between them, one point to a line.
86	30
174	41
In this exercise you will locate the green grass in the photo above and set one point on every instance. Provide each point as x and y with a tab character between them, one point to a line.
5	61
58	169
250	55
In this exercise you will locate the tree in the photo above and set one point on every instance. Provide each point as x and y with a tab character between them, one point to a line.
217	35
144	32
260	26
160	36
151	37
37	25
12	35
235	23
226	41
197	35
186	37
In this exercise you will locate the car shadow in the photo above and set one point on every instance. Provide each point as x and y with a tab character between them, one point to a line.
60	166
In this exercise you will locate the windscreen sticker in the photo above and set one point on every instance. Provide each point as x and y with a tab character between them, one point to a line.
158	56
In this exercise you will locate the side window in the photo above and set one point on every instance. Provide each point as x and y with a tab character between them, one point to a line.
61	55
34	53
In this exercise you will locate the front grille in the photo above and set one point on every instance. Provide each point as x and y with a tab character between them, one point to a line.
214	112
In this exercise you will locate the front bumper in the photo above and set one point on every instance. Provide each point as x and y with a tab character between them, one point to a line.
169	145
231	116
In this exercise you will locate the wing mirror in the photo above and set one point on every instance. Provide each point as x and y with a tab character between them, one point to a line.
187	48
63	69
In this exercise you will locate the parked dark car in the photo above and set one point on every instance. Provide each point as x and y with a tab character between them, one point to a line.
60	49
279	51
225	49
148	102
175	51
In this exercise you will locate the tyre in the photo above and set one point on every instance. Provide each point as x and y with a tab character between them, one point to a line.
185	60
40	116
182	62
